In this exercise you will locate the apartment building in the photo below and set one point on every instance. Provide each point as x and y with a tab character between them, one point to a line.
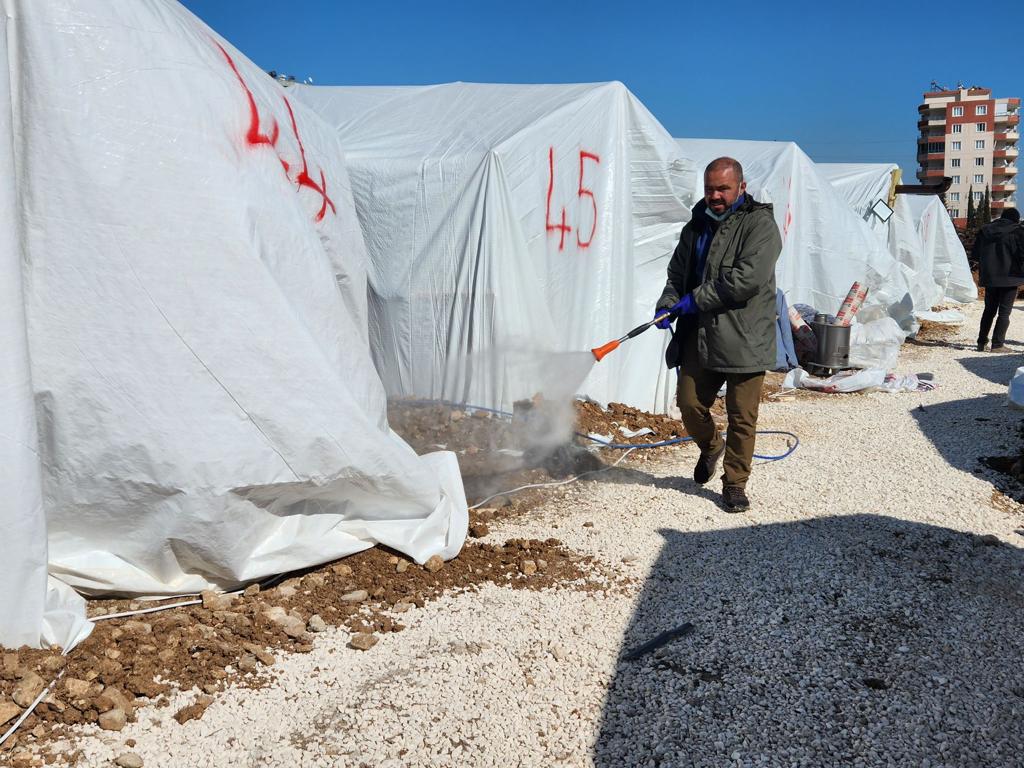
970	136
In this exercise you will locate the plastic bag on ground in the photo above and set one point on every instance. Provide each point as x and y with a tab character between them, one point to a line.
876	344
857	381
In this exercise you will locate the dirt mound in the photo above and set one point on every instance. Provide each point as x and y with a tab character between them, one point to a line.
592	419
135	661
930	331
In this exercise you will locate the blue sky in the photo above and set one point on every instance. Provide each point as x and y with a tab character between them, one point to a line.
842	80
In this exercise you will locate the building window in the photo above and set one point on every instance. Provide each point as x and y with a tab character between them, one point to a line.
954	163
979	178
979	161
979	144
977	197
981	109
954	213
980	126
936	147
954	197
958	127
958	111
956	179
954	146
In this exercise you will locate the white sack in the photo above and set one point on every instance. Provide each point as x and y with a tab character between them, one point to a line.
876	344
1015	391
189	287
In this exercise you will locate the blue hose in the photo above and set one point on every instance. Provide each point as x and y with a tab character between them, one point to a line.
677	440
621	446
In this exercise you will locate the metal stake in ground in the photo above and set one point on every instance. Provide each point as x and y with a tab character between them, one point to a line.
664	638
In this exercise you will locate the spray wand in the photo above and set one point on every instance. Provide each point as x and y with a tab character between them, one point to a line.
604	349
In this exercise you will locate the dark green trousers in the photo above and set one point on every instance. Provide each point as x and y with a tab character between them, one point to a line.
695	394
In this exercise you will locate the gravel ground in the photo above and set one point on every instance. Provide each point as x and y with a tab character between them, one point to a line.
866	611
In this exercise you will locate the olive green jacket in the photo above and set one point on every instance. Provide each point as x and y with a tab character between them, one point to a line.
736	293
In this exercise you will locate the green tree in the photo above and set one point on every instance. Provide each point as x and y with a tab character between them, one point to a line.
985	212
970	210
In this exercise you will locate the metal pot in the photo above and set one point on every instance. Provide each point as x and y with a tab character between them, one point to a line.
833	350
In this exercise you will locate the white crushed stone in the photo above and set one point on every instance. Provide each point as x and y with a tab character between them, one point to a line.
862	560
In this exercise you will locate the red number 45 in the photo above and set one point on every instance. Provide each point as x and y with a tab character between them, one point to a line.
562	227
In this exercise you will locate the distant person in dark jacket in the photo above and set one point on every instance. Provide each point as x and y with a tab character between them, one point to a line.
999	251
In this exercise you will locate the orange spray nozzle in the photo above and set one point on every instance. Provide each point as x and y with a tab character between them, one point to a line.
600	352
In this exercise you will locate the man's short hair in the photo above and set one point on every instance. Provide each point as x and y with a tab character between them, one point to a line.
723	163
1012	214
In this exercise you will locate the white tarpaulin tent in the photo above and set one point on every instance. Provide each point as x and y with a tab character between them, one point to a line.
943	248
931	251
825	246
187	397
508	222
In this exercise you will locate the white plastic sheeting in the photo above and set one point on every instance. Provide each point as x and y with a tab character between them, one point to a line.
509	223
943	248
187	398
34	610
919	234
825	246
876	344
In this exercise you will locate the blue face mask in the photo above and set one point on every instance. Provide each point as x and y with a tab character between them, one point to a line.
722	216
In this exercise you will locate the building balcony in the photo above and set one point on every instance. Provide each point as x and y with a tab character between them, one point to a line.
1010	118
1006	152
1011	135
924	157
1009	186
931	173
1004	170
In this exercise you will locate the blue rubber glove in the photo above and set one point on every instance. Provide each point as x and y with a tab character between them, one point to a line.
685	306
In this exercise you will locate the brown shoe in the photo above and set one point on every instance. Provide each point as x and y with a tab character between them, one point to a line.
735	499
705	467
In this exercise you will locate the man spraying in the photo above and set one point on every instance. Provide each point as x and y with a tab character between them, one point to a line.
721	290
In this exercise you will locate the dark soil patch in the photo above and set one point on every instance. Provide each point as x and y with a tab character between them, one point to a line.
497	453
930	331
119	665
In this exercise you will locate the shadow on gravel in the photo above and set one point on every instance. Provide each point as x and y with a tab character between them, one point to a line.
683	483
963	431
997	367
824	642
